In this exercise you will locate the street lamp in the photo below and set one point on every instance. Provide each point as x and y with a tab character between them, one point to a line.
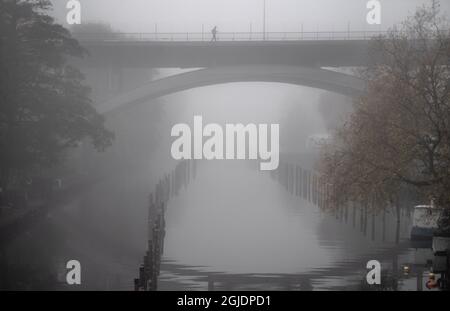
264	20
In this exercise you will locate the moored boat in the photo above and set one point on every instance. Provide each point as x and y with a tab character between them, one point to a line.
425	222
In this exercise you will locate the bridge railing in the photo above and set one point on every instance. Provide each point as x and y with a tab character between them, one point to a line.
227	36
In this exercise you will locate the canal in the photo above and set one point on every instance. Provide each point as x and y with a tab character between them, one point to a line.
235	228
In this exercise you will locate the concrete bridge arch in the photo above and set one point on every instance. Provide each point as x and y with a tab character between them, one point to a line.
303	76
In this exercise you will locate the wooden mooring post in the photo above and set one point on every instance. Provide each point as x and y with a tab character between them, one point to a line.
167	187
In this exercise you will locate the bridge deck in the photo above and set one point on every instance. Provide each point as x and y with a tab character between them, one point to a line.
197	54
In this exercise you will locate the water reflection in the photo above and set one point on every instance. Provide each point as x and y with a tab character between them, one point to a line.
236	229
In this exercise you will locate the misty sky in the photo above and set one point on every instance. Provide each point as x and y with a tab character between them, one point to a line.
237	15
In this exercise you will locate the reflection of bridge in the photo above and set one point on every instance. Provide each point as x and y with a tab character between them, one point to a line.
314	279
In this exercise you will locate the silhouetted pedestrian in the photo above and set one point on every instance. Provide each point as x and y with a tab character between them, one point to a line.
214	34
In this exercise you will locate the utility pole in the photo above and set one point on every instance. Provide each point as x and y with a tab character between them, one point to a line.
264	20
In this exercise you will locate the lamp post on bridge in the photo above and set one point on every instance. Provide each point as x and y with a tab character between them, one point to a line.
264	20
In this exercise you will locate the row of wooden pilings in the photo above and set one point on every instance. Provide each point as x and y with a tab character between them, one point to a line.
167	187
312	187
304	183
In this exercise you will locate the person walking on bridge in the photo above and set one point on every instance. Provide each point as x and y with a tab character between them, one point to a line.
214	34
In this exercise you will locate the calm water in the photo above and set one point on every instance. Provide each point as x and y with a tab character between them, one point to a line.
235	228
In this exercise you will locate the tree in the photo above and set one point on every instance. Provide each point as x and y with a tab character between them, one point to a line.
398	136
44	106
